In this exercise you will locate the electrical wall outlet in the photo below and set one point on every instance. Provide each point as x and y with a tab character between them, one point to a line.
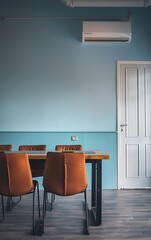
74	138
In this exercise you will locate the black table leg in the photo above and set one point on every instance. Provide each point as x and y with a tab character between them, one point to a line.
99	194
93	195
96	192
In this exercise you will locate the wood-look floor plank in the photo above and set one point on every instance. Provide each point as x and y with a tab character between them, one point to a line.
126	215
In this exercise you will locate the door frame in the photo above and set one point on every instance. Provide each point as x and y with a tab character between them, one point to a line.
119	64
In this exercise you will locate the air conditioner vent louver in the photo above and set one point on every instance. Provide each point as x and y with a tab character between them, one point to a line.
106	32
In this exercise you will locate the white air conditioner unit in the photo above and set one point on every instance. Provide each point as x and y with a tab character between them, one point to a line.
106	31
107	3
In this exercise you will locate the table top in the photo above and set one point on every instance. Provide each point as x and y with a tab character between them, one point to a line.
89	154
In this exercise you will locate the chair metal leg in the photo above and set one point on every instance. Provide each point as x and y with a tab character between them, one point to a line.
49	205
52	198
37	227
44	209
44	203
86	213
3	210
38	201
33	217
11	203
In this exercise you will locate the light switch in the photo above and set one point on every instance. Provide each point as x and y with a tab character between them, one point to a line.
74	138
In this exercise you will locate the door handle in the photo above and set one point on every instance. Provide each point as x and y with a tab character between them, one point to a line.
123	125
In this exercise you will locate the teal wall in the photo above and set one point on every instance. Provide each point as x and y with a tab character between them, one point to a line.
53	86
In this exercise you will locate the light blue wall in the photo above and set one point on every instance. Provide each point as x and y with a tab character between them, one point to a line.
52	86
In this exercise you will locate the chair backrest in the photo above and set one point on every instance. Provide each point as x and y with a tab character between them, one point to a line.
6	147
68	147
35	166
32	148
65	173
15	174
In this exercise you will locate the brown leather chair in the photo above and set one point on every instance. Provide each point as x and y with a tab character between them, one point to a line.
5	147
10	202
68	148
35	167
16	179
65	175
64	148
38	166
32	148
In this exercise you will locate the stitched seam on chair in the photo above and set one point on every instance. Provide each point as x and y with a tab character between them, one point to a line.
65	175
9	185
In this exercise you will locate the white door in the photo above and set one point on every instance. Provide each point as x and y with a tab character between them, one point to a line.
134	125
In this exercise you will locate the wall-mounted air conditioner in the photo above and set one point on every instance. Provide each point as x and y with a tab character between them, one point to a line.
107	3
106	31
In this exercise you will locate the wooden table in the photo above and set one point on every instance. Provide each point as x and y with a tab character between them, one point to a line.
37	159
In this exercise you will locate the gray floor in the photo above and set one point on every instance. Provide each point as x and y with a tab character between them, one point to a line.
126	215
